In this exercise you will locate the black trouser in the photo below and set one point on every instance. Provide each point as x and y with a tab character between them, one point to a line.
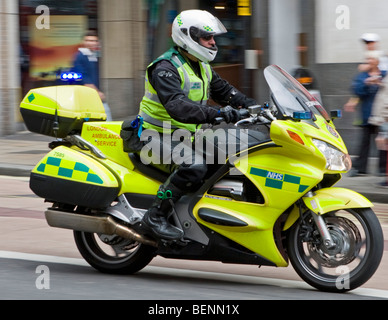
367	134
188	162
178	158
383	162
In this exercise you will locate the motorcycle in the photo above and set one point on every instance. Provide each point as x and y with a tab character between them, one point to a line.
280	207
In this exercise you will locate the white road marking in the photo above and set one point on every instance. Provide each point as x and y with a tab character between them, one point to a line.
377	293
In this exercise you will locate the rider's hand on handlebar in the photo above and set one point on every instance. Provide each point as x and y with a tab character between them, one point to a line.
229	114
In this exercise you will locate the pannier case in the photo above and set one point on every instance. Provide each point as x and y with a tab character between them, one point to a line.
68	176
59	110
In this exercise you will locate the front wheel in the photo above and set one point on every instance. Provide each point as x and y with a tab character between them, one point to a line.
113	254
359	245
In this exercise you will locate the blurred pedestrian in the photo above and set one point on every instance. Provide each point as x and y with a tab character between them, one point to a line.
86	62
371	42
379	118
365	86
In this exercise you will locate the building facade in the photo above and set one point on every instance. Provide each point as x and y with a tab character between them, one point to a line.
10	83
321	35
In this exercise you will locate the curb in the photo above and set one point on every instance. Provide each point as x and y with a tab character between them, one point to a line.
374	197
15	170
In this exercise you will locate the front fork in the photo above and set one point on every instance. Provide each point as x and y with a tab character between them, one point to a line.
320	223
322	201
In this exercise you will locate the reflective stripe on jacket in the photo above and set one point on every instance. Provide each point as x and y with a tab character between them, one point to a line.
195	88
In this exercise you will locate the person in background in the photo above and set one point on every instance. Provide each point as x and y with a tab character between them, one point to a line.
371	42
379	118
365	86
86	62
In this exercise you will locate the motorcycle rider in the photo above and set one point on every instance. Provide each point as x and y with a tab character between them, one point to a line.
178	86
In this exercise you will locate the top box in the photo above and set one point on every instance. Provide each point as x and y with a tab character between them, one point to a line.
61	110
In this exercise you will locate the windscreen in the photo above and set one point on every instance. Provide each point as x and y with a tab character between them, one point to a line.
289	95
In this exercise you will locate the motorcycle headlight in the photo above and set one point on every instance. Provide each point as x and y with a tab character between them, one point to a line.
336	160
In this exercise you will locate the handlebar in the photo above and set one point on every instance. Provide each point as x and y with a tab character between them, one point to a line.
253	114
244	113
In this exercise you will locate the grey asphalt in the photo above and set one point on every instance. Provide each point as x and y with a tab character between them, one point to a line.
20	153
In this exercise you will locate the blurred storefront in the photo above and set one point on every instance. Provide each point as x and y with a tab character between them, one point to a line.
41	37
46	34
132	34
320	35
50	34
235	15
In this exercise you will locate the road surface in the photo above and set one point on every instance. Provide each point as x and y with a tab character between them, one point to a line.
40	262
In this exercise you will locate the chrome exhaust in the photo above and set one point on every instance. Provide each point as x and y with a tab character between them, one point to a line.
94	224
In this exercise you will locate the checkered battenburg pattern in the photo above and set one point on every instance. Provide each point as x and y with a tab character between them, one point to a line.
179	20
69	169
207	28
280	181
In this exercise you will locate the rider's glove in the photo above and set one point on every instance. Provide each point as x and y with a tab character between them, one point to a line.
229	114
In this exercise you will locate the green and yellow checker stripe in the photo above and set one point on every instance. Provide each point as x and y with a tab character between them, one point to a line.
179	20
68	169
207	28
280	181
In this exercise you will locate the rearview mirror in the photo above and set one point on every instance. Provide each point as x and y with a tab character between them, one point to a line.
335	114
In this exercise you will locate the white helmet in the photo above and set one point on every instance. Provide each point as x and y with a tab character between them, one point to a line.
189	26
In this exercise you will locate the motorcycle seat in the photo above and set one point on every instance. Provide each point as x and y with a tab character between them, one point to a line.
148	170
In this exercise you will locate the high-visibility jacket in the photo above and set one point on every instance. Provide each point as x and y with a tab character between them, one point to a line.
197	89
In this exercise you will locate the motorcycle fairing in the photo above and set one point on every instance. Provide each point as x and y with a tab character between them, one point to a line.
106	137
329	199
254	232
72	177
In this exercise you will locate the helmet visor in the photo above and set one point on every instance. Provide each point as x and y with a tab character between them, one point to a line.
213	27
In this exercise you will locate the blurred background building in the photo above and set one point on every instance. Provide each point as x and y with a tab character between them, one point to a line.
40	37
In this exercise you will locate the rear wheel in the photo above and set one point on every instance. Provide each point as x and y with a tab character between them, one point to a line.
357	253
113	254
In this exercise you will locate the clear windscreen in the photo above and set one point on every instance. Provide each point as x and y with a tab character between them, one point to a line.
289	95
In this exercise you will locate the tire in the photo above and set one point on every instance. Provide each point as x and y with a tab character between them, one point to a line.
113	254
355	258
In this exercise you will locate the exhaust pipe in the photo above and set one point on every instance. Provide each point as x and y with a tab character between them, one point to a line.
94	224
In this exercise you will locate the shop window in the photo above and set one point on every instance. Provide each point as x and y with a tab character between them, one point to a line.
50	34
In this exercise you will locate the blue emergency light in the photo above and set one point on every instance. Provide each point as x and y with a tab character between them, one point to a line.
71	76
302	115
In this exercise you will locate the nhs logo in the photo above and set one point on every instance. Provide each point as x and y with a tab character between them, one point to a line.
274	175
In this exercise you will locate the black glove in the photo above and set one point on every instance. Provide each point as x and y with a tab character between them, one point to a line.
229	114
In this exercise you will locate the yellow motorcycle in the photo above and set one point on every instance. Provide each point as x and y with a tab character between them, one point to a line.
271	202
